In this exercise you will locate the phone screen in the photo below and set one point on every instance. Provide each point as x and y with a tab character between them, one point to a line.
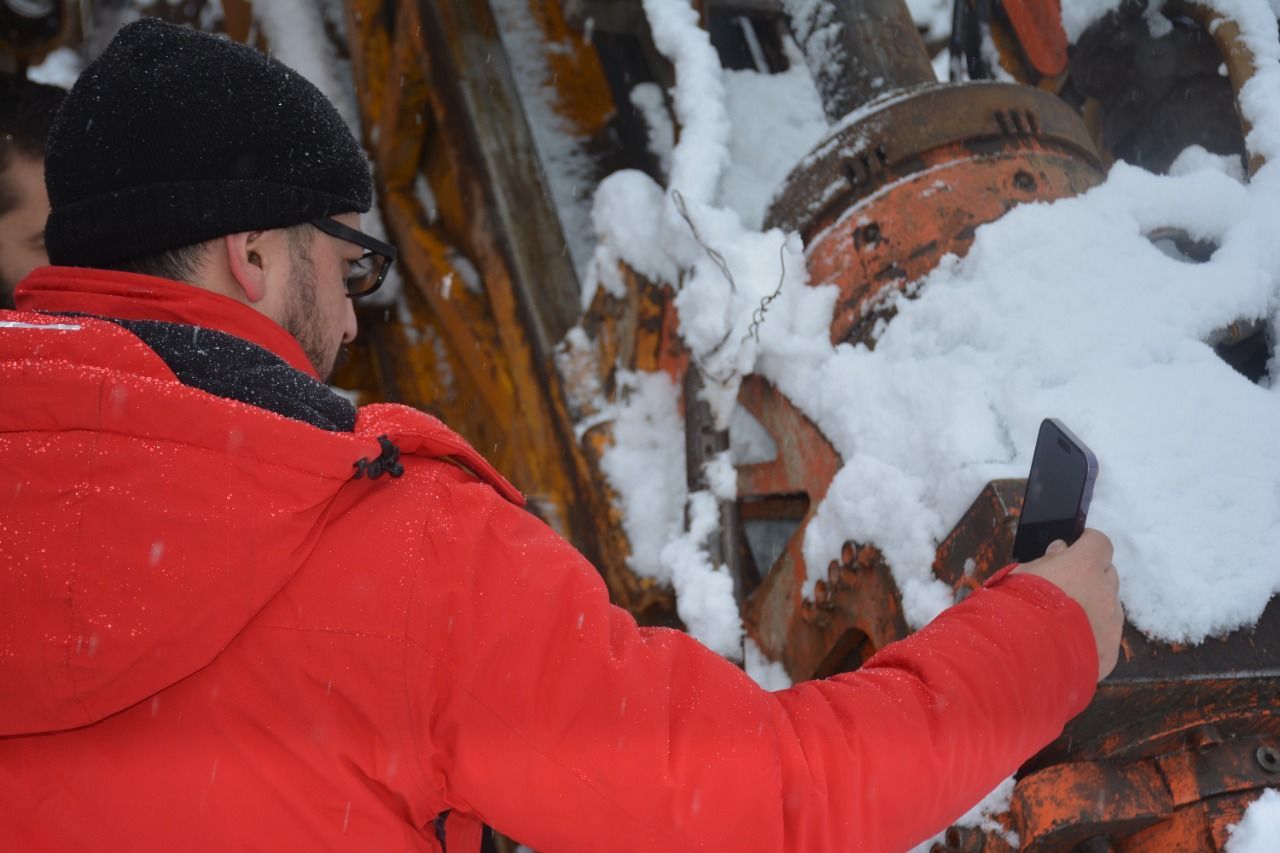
1059	489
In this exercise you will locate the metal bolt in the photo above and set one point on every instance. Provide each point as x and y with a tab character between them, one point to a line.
1269	759
1023	180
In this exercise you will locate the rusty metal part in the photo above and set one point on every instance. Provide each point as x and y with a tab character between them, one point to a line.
489	289
856	609
1038	26
968	839
464	47
638	330
1067	804
1027	36
1159	691
804	466
1202	826
1144	803
858	50
1169	736
887	144
883	199
981	543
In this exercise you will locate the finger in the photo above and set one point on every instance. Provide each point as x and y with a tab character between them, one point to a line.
1055	546
1094	547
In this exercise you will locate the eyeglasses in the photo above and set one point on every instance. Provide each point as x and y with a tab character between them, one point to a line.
366	273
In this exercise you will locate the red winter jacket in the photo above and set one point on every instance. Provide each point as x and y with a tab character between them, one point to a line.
214	637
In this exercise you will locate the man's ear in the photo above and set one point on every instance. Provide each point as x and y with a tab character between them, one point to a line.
244	259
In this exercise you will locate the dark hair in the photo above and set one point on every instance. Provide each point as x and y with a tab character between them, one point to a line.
181	264
178	264
26	111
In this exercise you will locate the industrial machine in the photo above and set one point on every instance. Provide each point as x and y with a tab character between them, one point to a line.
1178	740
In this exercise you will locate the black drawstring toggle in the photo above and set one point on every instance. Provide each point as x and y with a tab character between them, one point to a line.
388	462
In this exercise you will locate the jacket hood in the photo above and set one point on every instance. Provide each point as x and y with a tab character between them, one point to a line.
144	523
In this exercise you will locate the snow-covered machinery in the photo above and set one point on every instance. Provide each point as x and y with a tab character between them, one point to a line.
910	170
492	221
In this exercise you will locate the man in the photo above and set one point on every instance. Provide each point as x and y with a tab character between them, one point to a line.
26	108
239	613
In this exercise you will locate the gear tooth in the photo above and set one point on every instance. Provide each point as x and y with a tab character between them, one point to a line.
848	553
820	593
833	573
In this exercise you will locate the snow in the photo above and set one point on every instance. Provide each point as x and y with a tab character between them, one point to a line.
611	214
1196	158
1259	830
60	68
781	108
647	461
818	31
703	151
933	17
770	675
981	817
1064	309
1028	326
749	442
722	477
647	98
704	592
648	455
1078	15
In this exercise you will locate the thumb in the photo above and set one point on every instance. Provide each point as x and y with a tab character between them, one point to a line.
1055	546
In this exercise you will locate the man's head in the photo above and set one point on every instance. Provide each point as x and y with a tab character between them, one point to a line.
192	157
26	110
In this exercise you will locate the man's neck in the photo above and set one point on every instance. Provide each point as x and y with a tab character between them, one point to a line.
130	296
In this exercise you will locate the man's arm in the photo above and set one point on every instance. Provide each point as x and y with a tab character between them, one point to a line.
546	711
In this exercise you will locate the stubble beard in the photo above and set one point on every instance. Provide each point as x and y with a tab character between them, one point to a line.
303	319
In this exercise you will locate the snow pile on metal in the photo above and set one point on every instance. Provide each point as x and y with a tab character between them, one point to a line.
1066	310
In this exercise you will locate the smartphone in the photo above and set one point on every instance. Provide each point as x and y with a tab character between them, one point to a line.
1059	488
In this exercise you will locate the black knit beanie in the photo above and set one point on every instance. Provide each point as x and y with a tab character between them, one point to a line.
173	136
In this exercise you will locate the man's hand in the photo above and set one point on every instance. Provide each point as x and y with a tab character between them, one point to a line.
1085	573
